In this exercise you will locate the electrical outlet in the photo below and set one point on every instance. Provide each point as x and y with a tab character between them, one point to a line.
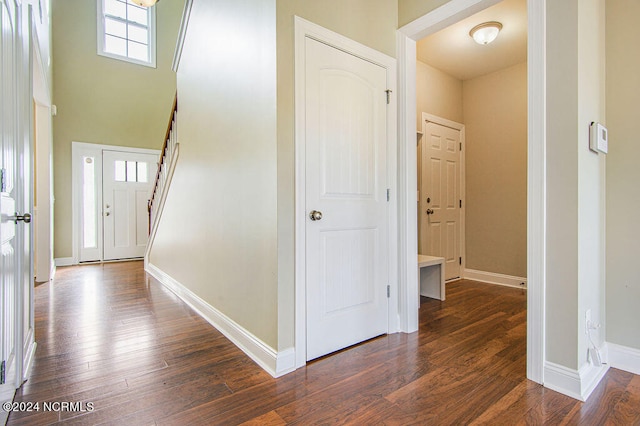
587	321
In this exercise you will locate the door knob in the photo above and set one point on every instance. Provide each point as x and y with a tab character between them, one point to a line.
315	215
429	211
26	218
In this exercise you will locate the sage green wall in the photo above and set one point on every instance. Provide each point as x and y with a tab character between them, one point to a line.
592	173
495	118
370	22
623	173
238	255
217	233
410	10
562	183
575	177
103	100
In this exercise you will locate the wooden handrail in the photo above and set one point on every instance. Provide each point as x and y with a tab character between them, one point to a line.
163	154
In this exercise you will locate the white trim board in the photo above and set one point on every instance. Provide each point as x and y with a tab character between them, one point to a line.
576	384
494	278
304	29
273	362
182	35
624	358
63	261
441	17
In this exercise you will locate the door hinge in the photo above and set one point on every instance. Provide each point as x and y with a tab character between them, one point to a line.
460	146
2	186
460	203
2	373
460	260
388	294
388	194
388	96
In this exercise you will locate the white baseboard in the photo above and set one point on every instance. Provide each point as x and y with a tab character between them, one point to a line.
493	278
29	357
624	358
285	362
577	384
64	261
275	363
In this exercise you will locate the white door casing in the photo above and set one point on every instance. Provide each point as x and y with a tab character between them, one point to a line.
441	196
347	248
43	178
127	181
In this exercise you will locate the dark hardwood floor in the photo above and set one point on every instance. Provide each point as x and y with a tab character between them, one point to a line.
111	336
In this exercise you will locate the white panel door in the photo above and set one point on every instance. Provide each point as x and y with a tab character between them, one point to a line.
15	205
440	198
127	181
346	166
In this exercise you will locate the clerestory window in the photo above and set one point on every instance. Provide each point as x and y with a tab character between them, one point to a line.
127	31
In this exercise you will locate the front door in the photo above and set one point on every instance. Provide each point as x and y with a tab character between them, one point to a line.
127	181
346	199
440	197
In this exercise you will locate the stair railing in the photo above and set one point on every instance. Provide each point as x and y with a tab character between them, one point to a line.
166	155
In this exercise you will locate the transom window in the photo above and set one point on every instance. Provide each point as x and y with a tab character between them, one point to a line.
127	31
130	171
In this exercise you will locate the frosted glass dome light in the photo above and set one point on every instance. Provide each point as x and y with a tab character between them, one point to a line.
485	33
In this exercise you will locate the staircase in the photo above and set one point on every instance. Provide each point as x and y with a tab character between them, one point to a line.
166	165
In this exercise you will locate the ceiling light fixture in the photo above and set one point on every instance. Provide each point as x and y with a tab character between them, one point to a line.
145	3
485	33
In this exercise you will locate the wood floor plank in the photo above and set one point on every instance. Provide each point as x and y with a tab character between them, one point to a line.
110	335
270	419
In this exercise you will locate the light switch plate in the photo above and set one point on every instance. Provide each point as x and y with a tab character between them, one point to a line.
598	138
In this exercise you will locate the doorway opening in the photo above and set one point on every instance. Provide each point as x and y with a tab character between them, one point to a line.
472	157
442	17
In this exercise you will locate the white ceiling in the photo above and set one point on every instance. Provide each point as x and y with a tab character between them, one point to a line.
453	51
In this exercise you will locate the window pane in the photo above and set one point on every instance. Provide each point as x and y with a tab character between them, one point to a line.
138	14
89	231
142	172
138	34
132	171
116	28
115	45
120	172
126	31
115	8
138	51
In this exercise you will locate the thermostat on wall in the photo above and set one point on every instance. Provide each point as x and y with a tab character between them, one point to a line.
598	138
